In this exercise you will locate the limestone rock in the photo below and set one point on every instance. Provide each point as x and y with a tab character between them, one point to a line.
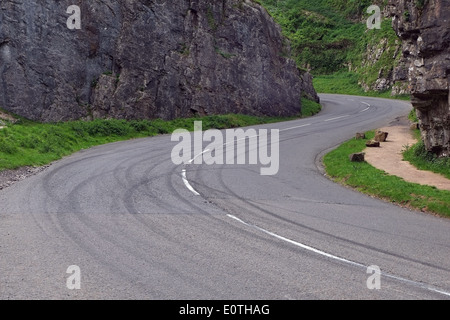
146	59
372	144
380	136
360	135
425	30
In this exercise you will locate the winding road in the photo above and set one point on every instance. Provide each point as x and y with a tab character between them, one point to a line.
140	227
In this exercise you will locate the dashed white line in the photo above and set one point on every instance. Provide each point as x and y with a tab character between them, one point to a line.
337	118
192	160
364	110
306	247
298	244
187	184
183	173
296	127
368	107
331	256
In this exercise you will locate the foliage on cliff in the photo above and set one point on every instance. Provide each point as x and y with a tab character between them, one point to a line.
330	36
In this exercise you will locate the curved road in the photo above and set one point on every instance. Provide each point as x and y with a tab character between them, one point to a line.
140	227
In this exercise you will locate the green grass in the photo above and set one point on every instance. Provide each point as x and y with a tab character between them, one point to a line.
320	32
330	36
26	143
419	157
367	179
412	116
310	108
347	83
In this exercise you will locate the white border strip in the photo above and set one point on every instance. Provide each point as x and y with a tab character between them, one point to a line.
292	128
187	184
337	118
331	256
298	244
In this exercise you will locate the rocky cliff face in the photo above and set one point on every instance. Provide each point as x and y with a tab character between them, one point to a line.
145	59
424	26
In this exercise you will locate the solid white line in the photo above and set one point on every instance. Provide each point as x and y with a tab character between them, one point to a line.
366	103
305	125
331	256
337	118
187	184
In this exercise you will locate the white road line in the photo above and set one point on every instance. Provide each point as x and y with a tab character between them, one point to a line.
192	160
337	118
368	107
183	173
187	184
364	110
439	291
331	256
298	244
234	141
292	128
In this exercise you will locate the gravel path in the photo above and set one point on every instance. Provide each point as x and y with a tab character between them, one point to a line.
389	157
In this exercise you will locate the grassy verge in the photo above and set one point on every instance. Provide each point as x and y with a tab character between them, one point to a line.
26	143
347	83
367	179
310	108
419	157
412	116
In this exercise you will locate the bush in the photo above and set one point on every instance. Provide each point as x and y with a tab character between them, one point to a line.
108	128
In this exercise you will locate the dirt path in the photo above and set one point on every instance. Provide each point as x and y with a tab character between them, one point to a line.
389	157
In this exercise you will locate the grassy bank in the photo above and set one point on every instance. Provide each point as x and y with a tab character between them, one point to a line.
347	83
27	143
329	38
367	179
419	157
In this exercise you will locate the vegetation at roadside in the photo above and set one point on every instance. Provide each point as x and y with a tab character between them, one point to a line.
321	32
412	116
310	108
419	157
330	38
347	83
26	143
367	179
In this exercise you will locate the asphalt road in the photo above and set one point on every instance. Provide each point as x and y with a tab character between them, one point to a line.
124	214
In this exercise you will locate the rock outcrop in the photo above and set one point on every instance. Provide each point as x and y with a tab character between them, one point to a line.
145	59
424	27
